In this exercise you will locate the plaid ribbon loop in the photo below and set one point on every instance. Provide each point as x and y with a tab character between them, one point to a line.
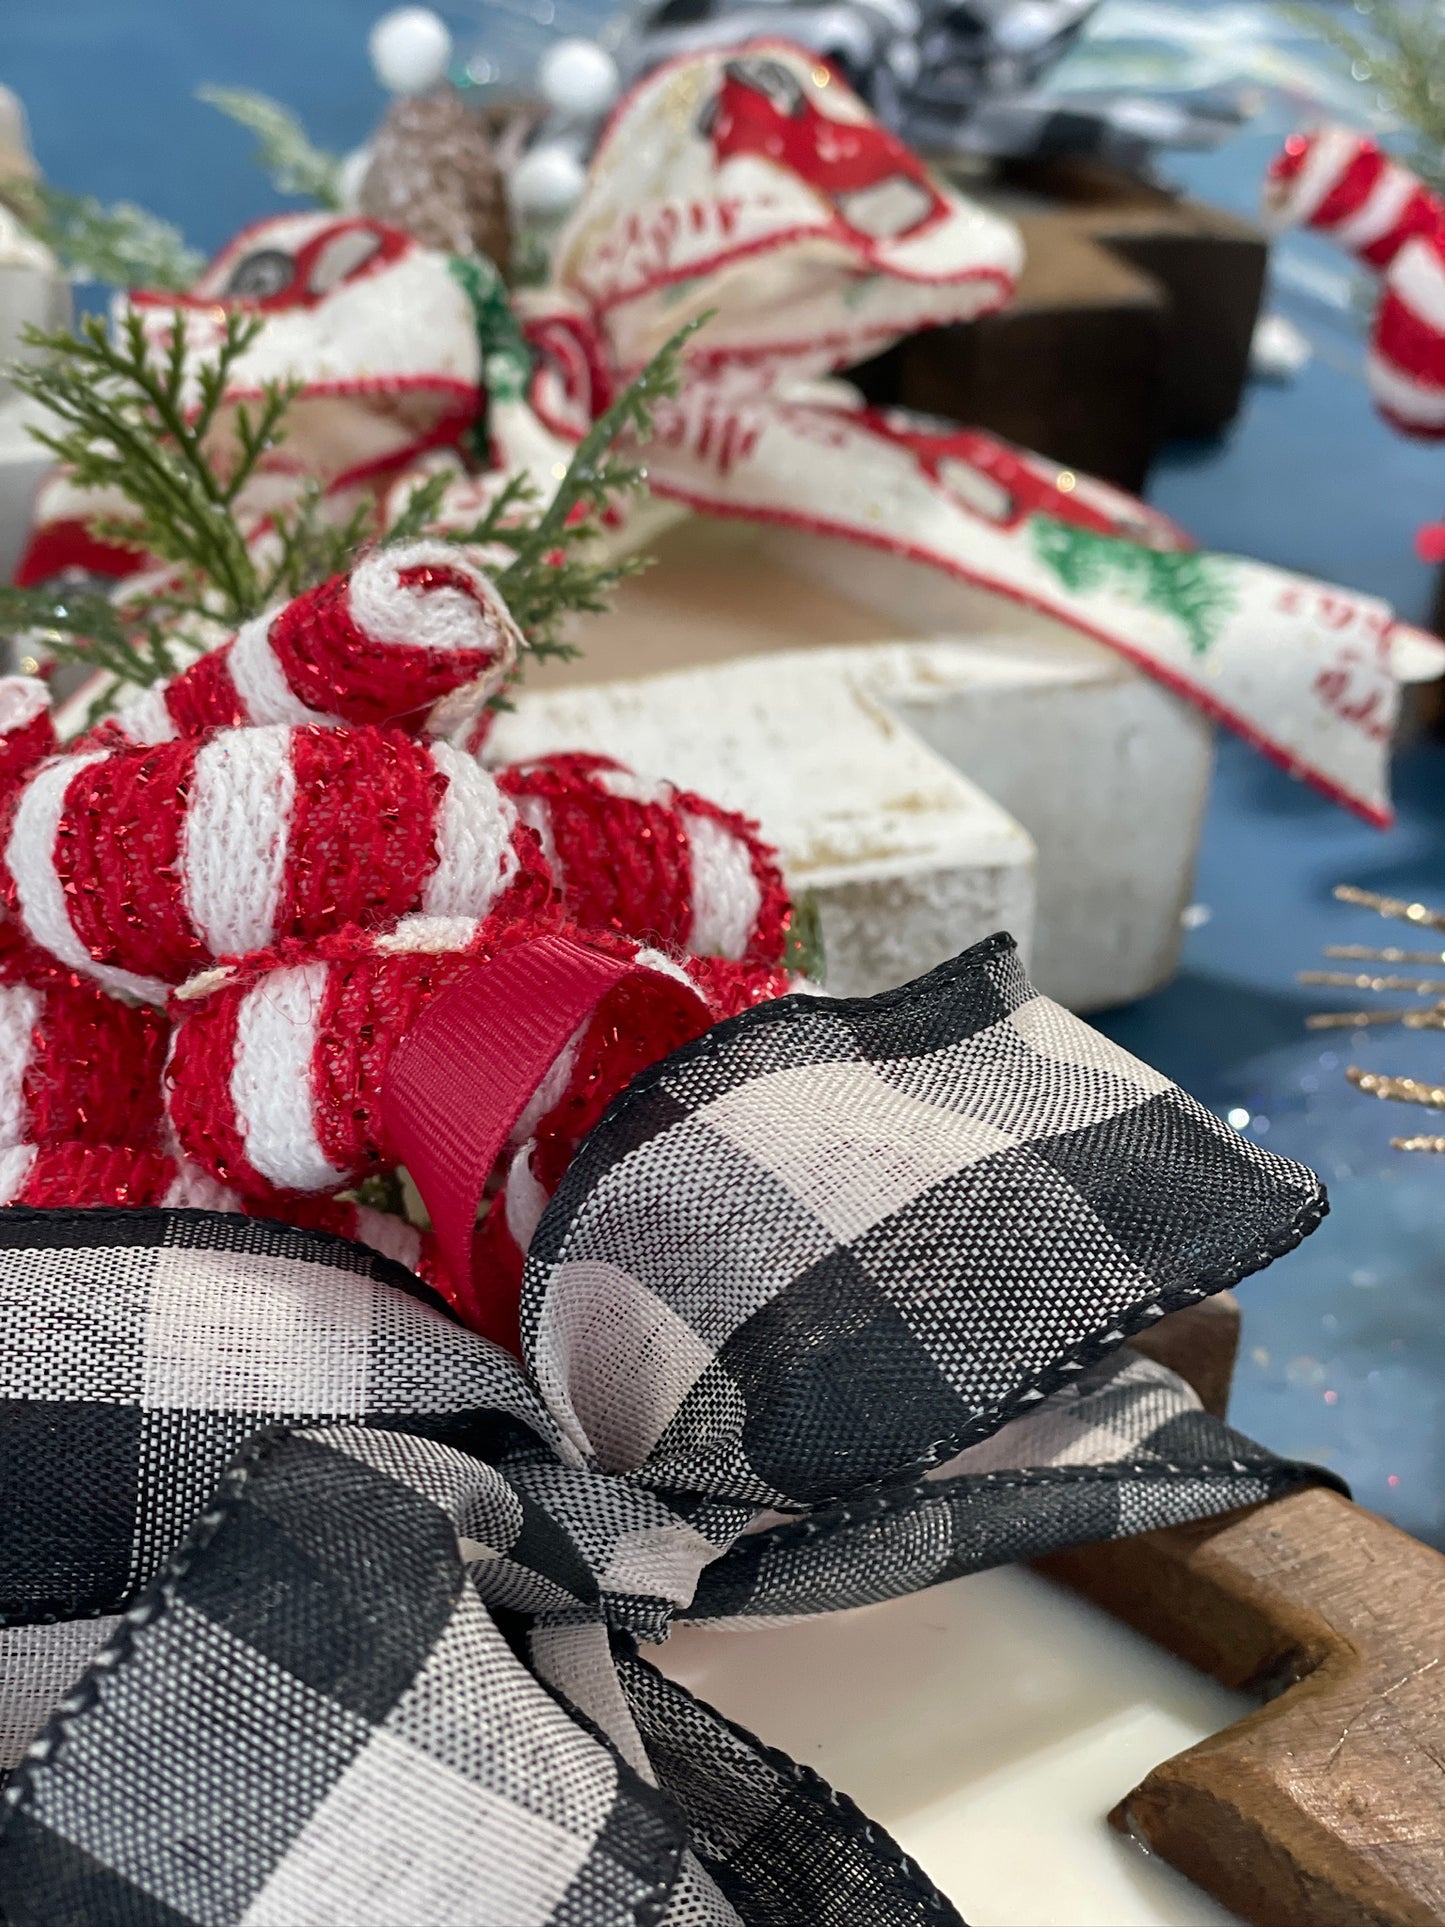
326	1610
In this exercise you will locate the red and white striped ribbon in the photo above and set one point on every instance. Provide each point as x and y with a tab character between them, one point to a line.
651	861
74	1063
82	1176
416	636
278	1064
136	866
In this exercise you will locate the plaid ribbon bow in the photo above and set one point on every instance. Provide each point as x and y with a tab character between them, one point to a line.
341	1604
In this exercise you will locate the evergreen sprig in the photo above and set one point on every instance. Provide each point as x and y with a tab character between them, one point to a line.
554	569
121	246
127	423
1399	50
134	647
150	425
284	150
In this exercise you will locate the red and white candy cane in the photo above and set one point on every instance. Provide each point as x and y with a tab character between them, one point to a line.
81	1177
279	1063
416	636
650	861
74	1063
1342	184
137	866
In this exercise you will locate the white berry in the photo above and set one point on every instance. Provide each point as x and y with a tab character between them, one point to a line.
578	78
410	49
548	180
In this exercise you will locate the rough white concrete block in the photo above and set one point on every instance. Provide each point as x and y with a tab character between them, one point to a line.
33	294
909	861
1107	770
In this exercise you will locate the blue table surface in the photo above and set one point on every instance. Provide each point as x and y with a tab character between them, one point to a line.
1344	1350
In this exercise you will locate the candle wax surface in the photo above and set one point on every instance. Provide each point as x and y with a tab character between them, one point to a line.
990	1724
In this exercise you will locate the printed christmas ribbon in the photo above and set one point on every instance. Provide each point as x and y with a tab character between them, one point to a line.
327	1609
757	186
755	189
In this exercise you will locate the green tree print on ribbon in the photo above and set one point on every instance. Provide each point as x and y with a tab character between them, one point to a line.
1193	588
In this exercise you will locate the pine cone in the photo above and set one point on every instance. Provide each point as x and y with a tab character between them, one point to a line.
433	172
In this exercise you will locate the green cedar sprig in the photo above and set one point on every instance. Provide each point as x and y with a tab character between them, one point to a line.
1399	51
126	422
284	150
121	246
555	569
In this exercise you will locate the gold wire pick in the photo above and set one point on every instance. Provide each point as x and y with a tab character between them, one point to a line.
1363	953
1352	1019
1403	1090
1349	980
1400	908
1427	1017
1431	1016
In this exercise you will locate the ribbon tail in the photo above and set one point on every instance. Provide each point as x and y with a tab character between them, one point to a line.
1300	669
716	1771
314	1716
1127	1449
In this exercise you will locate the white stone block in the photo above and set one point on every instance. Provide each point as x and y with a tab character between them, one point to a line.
1106	770
909	861
33	294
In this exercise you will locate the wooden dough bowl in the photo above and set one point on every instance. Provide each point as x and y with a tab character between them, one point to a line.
1326	1807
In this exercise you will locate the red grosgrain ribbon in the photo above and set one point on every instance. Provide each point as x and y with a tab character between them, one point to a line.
465	1074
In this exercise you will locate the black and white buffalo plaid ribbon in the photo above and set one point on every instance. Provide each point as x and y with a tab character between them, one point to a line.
957	77
323	1612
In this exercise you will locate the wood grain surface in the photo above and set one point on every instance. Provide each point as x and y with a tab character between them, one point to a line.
1326	1808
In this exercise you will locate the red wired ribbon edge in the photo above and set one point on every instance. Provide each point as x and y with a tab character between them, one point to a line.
466	1072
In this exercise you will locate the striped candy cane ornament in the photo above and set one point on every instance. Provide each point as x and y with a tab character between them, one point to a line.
279	1062
416	636
650	861
1343	185
27	731
137	866
82	1177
